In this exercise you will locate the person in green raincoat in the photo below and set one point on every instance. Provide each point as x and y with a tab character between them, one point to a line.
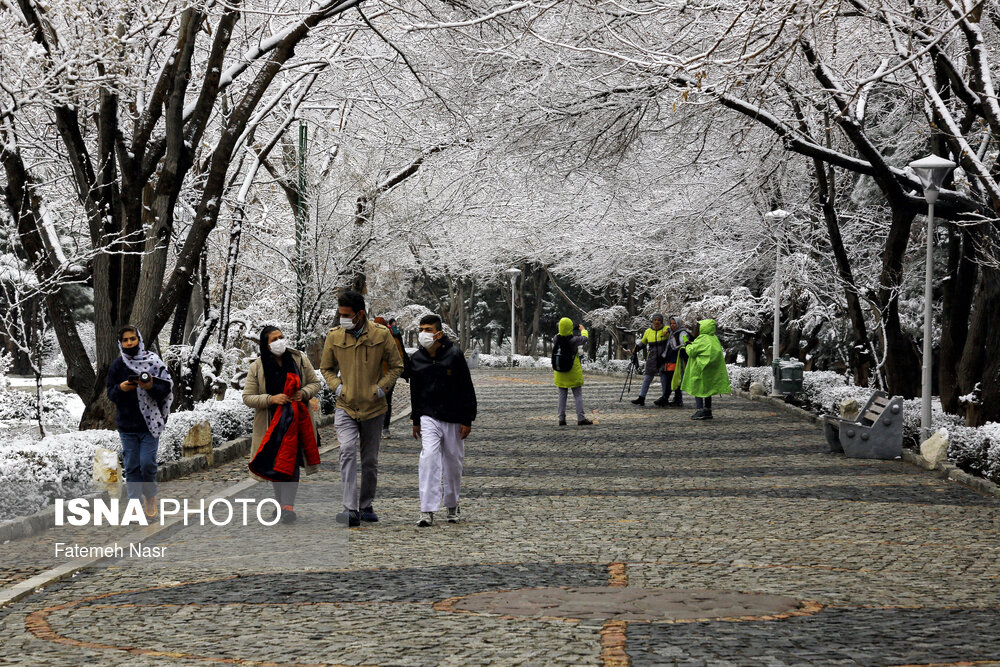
704	373
565	343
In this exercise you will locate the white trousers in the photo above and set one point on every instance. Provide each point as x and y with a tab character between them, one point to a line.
441	458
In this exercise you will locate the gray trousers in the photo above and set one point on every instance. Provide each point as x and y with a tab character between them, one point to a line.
647	381
353	434
577	398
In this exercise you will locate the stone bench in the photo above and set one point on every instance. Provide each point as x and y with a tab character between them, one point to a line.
877	432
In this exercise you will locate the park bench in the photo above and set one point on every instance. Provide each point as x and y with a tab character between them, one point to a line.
877	433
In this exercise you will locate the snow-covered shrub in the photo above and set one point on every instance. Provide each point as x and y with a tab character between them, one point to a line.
520	361
6	361
990	433
17	406
230	419
35	472
59	466
939	419
969	448
824	391
741	377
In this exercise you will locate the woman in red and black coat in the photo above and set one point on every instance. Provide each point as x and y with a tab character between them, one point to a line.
279	385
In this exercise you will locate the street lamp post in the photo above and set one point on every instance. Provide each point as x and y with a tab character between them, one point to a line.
776	216
513	273
932	171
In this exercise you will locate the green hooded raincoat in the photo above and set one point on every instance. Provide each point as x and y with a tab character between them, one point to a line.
574	376
705	372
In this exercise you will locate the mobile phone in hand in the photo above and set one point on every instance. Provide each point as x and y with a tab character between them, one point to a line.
134	379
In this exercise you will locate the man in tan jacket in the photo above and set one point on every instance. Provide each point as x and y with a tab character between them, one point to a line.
352	365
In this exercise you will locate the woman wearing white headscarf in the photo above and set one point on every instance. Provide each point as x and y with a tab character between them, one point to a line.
674	367
142	390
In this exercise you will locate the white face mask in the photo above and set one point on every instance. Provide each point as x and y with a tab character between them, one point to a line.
278	346
347	322
426	339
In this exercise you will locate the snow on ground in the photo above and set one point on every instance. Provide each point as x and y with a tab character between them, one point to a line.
55	381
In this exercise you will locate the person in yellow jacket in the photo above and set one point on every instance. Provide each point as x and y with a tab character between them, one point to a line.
352	365
567	369
655	341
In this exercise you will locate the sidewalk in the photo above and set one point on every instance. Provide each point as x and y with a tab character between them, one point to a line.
735	541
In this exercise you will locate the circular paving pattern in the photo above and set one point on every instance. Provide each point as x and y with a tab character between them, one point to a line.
629	604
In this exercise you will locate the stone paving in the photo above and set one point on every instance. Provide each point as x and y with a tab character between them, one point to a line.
838	561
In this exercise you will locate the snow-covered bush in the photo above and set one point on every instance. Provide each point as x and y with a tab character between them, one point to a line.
6	361
35	472
520	361
824	391
19	406
990	434
741	377
911	420
230	419
976	450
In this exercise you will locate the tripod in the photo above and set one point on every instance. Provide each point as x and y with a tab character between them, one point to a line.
634	366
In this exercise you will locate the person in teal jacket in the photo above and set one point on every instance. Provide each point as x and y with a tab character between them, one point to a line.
705	373
573	378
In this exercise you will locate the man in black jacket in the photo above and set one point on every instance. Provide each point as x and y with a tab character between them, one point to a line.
443	404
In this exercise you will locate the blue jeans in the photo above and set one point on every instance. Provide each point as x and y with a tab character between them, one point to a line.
139	454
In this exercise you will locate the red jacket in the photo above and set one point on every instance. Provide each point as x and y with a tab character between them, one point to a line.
289	432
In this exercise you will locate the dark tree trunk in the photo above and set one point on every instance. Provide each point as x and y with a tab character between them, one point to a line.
902	361
980	363
956	304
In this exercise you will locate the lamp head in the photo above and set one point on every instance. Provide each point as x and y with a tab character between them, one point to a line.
513	273
932	170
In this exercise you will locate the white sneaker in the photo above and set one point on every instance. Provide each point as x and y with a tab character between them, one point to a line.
426	519
454	514
385	434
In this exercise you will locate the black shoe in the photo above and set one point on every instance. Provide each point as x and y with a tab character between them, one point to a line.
675	404
660	402
368	514
562	422
288	515
584	422
706	414
349	517
639	401
698	415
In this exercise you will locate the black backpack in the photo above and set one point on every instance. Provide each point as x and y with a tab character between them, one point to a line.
563	354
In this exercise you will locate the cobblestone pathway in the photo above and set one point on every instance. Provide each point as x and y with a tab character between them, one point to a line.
736	541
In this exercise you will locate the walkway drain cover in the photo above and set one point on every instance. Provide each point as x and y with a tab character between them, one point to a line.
630	604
